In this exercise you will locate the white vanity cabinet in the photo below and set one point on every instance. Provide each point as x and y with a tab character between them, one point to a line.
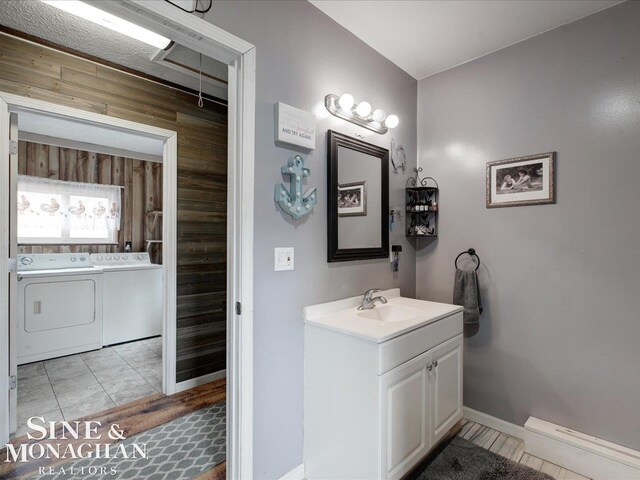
420	401
376	403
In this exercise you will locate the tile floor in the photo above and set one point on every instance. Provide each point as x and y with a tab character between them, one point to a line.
71	387
513	449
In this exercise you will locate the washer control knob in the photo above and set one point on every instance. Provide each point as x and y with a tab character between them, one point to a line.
124	257
99	258
116	257
74	259
108	257
26	261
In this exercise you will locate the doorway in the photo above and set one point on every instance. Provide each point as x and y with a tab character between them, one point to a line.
86	232
240	57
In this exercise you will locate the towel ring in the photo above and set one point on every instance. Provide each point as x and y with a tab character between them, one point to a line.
471	252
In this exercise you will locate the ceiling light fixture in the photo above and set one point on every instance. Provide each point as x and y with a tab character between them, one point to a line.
343	107
112	22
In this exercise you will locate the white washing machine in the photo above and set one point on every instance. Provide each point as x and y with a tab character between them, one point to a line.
132	296
59	306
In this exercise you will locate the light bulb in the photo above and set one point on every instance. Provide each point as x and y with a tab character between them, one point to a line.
392	121
346	101
378	115
363	109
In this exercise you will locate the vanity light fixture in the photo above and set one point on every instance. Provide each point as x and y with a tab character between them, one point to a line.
345	107
117	24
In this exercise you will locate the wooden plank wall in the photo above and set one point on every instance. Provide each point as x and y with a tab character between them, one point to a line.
40	72
142	193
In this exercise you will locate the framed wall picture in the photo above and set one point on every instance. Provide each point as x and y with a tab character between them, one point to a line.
352	199
520	181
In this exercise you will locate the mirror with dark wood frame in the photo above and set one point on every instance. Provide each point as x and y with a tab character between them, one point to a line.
358	205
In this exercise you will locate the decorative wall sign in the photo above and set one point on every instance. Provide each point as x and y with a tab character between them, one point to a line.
292	201
521	181
295	126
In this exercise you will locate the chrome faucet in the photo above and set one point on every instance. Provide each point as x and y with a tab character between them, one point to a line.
369	301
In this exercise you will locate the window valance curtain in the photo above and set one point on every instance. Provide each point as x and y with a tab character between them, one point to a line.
51	211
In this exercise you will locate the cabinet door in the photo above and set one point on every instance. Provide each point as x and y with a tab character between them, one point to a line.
404	417
446	388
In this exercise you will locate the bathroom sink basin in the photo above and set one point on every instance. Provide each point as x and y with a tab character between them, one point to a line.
390	313
383	322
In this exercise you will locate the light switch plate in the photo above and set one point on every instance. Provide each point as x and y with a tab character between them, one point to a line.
283	258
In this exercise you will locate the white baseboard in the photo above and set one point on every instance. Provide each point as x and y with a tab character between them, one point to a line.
195	382
493	422
584	454
295	474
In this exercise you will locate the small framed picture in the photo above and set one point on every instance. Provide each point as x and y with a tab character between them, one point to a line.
352	199
521	181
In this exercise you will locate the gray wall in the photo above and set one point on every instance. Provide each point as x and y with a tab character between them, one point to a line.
302	55
559	336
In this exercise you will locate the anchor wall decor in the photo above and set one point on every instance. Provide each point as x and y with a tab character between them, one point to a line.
292	201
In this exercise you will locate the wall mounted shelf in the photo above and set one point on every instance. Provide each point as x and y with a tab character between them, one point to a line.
421	207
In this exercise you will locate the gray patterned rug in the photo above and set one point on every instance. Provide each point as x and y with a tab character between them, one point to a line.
459	459
180	449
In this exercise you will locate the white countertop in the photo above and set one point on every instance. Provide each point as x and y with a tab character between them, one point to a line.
342	316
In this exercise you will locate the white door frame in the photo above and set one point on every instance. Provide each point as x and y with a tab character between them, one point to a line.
14	103
202	36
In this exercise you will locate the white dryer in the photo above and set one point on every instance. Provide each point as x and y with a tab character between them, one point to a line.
59	306
133	296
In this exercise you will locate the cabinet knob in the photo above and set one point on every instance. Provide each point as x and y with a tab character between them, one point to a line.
430	367
435	364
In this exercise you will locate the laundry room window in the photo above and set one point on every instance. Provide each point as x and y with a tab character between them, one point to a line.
61	212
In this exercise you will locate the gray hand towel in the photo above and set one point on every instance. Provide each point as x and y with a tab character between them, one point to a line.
466	292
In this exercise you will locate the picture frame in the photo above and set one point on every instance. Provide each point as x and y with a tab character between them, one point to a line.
352	199
521	181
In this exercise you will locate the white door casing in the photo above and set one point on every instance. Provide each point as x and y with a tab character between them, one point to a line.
13	276
4	272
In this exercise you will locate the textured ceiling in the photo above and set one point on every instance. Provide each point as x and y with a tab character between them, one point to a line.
47	22
426	37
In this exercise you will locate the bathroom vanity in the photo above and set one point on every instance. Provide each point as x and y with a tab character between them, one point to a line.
381	387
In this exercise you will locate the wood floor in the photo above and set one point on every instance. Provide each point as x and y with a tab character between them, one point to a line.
513	449
133	418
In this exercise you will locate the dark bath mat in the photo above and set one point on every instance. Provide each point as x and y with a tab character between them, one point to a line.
459	459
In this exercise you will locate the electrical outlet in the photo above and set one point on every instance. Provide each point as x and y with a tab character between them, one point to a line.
283	258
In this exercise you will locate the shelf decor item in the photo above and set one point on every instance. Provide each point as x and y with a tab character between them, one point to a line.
292	201
422	206
521	181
